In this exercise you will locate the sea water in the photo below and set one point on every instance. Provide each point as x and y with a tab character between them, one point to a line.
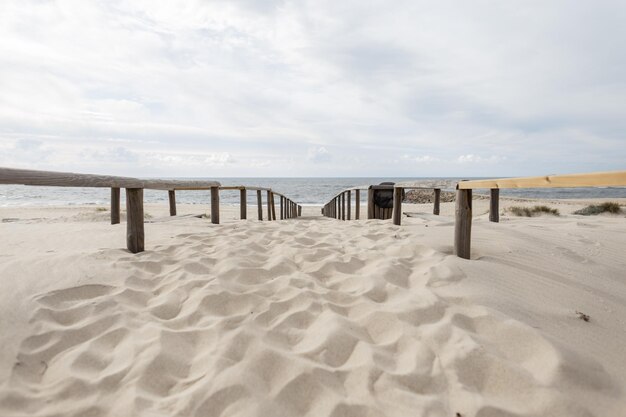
305	191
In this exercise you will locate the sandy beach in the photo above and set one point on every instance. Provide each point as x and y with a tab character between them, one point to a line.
312	316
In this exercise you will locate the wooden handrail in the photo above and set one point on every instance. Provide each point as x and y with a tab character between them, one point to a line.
71	179
463	210
593	179
243	187
134	195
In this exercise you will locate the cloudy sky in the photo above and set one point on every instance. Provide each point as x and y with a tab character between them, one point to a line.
313	87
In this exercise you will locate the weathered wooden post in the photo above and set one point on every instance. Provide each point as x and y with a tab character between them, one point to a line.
494	205
243	204
115	205
172	198
357	204
463	224
273	208
349	193
282	207
437	201
269	205
397	205
215	205
134	220
338	203
259	203
343	206
299	211
370	204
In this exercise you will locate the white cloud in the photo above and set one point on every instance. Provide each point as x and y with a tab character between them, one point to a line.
275	85
423	159
318	155
471	158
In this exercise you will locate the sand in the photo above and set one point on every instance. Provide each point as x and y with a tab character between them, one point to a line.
312	317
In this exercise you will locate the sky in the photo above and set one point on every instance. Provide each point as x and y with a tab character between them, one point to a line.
324	88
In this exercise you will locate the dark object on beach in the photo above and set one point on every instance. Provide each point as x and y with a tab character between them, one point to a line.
583	316
384	198
608	207
459	415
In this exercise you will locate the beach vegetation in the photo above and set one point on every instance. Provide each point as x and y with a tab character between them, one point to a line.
533	211
594	209
101	209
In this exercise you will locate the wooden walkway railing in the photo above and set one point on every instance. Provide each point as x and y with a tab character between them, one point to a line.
463	210
134	187
336	207
339	207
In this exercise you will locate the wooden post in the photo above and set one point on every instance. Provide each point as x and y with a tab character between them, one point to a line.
269	205
463	224
349	193
282	207
243	204
338	204
273	208
215	205
494	205
172	197
115	205
343	206
299	211
357	204
259	204
134	220
437	201
397	205
370	204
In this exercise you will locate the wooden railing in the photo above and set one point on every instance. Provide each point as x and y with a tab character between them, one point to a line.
463	210
134	187
336	207
339	207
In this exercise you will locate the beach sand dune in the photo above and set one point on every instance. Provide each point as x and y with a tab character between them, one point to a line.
314	317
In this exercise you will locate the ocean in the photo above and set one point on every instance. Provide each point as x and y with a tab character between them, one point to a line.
305	191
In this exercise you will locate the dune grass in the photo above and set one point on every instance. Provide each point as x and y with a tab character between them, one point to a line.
101	209
594	209
533	211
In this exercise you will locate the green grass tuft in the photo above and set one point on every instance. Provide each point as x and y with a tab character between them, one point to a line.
594	209
532	211
101	209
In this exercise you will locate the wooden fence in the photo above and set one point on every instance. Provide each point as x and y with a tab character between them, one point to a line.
336	207
463	210
134	187
339	207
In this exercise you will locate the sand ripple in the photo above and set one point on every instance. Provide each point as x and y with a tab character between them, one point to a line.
300	319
